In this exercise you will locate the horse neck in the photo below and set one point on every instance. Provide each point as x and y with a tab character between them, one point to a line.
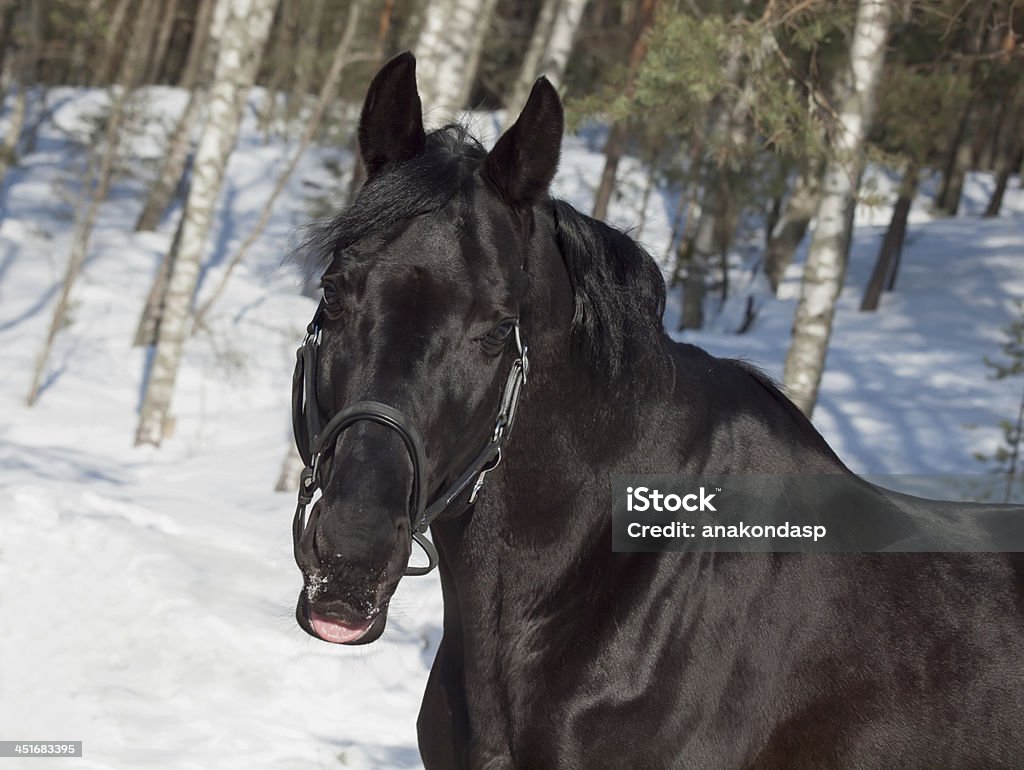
572	433
682	411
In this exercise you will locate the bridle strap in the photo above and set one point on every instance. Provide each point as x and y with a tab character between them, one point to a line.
487	456
389	417
313	438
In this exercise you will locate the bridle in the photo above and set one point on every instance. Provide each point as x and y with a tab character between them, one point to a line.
313	437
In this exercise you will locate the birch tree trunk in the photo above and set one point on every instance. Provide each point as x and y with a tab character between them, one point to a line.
884	273
530	68
448	51
1004	168
163	40
8	20
25	69
197	48
176	154
948	199
789	231
305	61
826	265
101	180
1006	158
327	92
548	54
281	47
77	60
245	36
110	47
149	321
16	124
483	25
617	134
983	35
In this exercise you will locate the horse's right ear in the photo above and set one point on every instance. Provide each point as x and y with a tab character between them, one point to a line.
391	124
524	160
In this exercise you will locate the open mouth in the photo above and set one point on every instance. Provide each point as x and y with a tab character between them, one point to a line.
337	631
342	627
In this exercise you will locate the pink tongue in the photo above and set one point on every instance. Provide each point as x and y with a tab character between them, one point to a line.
331	630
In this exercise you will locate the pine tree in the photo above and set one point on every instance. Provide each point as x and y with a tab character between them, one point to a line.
1007	456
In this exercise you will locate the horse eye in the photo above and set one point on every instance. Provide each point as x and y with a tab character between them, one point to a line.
330	293
501	333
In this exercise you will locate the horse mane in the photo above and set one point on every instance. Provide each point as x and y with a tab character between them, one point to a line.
776	393
767	382
618	290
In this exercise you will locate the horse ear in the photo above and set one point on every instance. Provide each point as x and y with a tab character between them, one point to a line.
525	158
391	124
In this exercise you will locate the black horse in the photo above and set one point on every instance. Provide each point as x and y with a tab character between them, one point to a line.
451	279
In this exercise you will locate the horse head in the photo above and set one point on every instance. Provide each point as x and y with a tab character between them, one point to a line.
408	381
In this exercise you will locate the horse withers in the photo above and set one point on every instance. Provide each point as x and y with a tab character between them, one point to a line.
460	302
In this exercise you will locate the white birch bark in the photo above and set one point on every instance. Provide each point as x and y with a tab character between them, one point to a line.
16	124
180	141
245	36
826	262
792	226
551	45
327	93
562	40
447	50
429	52
171	172
101	173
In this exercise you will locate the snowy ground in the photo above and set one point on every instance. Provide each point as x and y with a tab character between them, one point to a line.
146	596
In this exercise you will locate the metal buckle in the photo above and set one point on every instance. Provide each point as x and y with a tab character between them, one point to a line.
483	474
499	428
524	359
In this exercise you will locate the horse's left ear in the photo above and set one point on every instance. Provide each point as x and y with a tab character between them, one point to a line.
525	158
391	124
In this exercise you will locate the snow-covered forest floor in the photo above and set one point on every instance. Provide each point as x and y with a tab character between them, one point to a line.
146	596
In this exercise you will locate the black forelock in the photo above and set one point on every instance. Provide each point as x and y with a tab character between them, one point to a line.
422	184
